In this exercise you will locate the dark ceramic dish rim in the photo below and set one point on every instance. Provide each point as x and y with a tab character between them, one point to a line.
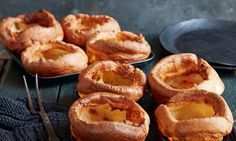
169	46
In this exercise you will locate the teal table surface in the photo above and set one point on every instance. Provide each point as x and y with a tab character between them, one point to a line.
139	16
64	91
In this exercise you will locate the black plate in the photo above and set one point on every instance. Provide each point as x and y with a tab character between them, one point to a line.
16	57
211	39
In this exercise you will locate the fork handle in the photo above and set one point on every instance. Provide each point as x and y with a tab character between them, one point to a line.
48	125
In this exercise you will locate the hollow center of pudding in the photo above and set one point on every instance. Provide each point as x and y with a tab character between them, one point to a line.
19	26
103	112
124	37
83	27
54	53
87	24
112	78
191	110
184	81
181	74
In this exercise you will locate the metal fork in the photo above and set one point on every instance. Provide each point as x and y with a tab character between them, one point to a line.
47	123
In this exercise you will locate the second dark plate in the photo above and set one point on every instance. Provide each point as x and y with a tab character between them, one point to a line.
211	39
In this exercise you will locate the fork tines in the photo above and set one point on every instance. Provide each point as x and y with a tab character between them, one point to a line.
47	123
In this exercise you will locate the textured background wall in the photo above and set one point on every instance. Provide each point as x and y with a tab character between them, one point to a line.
146	16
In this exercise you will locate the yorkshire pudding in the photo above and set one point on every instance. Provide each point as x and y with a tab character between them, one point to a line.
78	28
108	117
121	46
109	76
195	115
17	33
181	72
54	58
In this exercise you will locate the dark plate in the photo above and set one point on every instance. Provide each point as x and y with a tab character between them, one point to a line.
16	57
223	67
211	39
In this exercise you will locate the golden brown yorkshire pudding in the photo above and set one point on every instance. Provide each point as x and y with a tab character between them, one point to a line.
195	115
109	76
121	46
78	28
108	117
54	58
181	72
17	33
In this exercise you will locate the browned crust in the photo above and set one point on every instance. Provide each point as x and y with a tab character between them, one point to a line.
128	48
75	134
70	63
87	85
79	37
108	130
45	28
162	91
199	129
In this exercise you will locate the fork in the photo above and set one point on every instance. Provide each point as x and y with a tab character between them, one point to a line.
47	123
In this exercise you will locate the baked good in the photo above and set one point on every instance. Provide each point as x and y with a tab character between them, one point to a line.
54	58
109	76
182	72
121	46
17	33
195	115
78	28
108	117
